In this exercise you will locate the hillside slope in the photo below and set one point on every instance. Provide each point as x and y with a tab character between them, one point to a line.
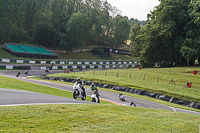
74	55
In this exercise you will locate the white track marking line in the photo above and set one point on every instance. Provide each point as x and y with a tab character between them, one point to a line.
172	108
37	104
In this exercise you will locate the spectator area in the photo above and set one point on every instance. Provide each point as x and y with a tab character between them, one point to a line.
44	51
15	48
29	51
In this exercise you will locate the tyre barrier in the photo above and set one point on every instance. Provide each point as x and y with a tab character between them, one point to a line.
190	104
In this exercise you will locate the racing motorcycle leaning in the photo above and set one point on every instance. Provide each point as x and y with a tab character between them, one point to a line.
95	97
121	97
78	92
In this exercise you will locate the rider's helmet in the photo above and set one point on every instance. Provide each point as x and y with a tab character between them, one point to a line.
92	83
78	79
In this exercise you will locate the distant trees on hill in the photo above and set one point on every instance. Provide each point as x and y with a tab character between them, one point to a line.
142	23
62	23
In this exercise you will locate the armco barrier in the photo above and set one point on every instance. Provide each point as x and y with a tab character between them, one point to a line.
15	67
195	105
71	62
88	67
66	67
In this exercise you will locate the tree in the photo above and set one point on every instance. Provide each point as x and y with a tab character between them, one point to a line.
98	12
161	35
190	48
44	35
65	42
77	30
61	12
121	30
135	46
4	22
33	21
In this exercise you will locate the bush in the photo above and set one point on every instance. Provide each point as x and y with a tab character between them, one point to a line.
98	51
44	35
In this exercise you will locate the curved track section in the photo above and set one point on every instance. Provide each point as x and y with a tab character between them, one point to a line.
10	97
103	94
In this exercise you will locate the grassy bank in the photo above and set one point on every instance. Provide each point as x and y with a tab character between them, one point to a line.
94	118
146	79
89	55
77	55
4	54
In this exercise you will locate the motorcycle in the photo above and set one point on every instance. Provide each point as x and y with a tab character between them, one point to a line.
122	98
47	70
78	92
132	104
26	72
95	97
71	69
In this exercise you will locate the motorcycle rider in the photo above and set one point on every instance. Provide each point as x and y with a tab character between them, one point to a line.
78	81
132	104
47	69
97	95
26	71
80	69
120	94
93	87
121	97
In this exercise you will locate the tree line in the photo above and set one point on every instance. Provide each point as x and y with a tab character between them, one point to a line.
63	24
171	35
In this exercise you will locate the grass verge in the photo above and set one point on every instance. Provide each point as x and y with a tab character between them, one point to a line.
94	118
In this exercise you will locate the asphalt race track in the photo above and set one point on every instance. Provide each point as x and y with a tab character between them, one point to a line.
18	97
13	97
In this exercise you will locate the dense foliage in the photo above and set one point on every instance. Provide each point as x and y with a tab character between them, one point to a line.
62	23
171	35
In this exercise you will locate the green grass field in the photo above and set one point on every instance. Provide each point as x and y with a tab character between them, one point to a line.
95	118
146	79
